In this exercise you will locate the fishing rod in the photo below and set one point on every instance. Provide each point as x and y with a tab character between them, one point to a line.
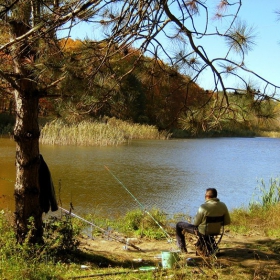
169	238
126	242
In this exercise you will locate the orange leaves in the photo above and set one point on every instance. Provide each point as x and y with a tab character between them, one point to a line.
70	45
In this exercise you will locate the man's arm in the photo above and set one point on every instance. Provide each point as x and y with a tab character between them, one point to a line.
198	217
226	218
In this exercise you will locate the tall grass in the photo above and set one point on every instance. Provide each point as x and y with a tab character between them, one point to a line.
268	194
262	215
256	220
93	133
271	134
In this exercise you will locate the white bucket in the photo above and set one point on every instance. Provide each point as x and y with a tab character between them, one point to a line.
169	259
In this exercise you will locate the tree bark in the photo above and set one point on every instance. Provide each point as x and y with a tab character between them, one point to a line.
28	213
26	135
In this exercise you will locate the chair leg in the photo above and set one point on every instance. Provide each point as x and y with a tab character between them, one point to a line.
206	246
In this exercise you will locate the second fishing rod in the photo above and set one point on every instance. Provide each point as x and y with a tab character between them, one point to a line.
169	238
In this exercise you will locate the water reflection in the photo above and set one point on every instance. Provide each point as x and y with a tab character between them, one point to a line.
7	173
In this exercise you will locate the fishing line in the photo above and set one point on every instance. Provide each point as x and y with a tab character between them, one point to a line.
169	238
6	179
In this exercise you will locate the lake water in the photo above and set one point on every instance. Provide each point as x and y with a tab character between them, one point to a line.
171	175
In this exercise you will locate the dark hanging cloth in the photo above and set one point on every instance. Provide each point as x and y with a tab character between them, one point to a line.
47	192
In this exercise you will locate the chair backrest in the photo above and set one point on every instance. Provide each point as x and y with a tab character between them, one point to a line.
214	225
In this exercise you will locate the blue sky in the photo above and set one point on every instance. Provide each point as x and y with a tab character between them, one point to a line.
264	58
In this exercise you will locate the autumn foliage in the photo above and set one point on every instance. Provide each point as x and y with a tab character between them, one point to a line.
128	86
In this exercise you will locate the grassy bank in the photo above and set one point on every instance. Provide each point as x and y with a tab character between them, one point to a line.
62	257
89	133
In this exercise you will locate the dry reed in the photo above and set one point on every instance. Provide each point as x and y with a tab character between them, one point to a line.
93	133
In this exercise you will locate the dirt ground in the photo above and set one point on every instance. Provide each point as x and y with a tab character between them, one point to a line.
240	256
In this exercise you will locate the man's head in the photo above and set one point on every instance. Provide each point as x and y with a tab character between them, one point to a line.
211	193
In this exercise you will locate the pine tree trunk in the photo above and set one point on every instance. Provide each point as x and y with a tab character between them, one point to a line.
28	214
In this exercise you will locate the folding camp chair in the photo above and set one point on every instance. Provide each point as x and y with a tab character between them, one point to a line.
207	244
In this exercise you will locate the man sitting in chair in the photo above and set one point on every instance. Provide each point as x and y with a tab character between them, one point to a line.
212	207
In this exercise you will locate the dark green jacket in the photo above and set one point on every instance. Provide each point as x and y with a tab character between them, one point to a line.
212	207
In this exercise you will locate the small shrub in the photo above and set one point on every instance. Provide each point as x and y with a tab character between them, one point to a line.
141	223
61	234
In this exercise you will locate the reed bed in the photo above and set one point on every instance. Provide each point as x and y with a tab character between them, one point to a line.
94	133
271	134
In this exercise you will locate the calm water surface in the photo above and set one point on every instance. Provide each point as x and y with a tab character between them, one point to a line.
170	175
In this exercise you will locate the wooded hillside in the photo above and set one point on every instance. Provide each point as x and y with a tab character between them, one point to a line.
136	88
